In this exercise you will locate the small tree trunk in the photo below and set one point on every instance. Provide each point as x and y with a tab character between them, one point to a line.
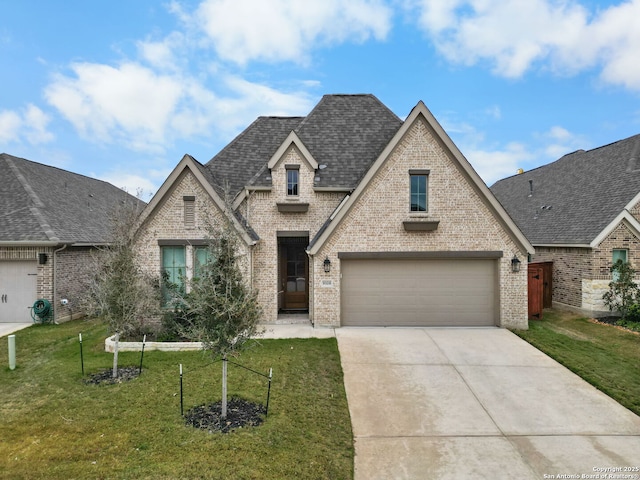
115	355
224	388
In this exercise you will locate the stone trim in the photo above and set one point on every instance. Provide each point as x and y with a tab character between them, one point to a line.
420	226
293	207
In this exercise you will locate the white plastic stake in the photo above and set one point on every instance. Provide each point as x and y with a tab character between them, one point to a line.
12	352
80	337
180	369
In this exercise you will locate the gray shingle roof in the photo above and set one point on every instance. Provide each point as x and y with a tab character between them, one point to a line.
575	197
344	133
44	203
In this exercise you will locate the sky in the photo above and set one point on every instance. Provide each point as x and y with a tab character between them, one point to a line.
120	90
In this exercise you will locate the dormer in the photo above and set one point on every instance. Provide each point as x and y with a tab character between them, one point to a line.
292	170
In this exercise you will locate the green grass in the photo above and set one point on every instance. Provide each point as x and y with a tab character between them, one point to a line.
605	356
56	426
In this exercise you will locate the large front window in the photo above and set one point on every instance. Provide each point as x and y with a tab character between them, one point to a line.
418	201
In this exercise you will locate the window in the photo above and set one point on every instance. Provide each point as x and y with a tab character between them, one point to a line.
189	210
418	192
200	257
618	254
174	270
292	179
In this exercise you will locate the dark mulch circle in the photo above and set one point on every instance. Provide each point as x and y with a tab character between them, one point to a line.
105	377
240	414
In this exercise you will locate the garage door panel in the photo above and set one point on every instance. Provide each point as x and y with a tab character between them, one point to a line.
18	283
419	292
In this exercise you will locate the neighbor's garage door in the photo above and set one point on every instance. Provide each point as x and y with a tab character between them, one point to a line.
419	292
18	283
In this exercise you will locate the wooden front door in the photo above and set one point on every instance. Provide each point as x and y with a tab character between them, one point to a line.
294	274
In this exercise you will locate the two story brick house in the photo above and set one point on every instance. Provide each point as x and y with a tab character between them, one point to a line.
351	215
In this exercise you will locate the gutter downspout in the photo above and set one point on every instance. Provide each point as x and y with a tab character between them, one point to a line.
55	280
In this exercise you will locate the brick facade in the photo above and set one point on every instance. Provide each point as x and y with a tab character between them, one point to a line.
582	275
267	221
72	272
167	224
374	224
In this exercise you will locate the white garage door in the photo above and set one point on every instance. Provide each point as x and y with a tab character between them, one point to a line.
419	292
18	283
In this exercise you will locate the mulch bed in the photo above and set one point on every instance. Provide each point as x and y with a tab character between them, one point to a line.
105	377
613	322
240	414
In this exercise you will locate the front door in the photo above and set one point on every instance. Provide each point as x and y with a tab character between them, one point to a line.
294	273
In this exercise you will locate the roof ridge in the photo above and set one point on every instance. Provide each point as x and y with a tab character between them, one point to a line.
37	203
59	169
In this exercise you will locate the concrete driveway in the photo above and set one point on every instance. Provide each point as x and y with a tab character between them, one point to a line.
476	403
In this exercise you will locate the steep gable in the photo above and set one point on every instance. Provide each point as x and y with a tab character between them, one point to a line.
201	179
574	199
444	188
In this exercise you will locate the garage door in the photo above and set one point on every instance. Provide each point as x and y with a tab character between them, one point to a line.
18	282
419	292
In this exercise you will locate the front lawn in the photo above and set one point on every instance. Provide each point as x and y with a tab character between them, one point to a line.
605	356
56	426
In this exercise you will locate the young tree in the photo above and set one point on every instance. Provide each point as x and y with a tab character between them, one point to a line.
120	291
220	310
623	291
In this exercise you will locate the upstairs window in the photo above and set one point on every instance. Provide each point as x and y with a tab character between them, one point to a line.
292	179
418	190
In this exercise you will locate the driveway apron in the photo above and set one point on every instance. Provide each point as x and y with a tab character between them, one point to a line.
476	403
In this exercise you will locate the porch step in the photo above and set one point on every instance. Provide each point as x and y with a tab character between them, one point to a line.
293	319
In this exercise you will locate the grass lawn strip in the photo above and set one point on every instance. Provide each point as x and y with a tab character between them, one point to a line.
55	426
605	356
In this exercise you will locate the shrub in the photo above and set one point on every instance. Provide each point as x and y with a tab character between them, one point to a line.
623	291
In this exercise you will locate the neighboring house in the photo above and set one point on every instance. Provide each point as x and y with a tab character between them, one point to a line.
352	215
580	212
50	221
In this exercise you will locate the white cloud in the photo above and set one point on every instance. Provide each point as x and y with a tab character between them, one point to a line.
10	123
558	141
286	30
492	165
164	54
515	36
143	185
147	110
129	102
30	125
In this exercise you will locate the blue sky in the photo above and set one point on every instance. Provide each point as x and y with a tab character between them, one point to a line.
120	90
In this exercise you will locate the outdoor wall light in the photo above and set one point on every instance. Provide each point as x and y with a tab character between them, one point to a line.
42	258
515	264
327	265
